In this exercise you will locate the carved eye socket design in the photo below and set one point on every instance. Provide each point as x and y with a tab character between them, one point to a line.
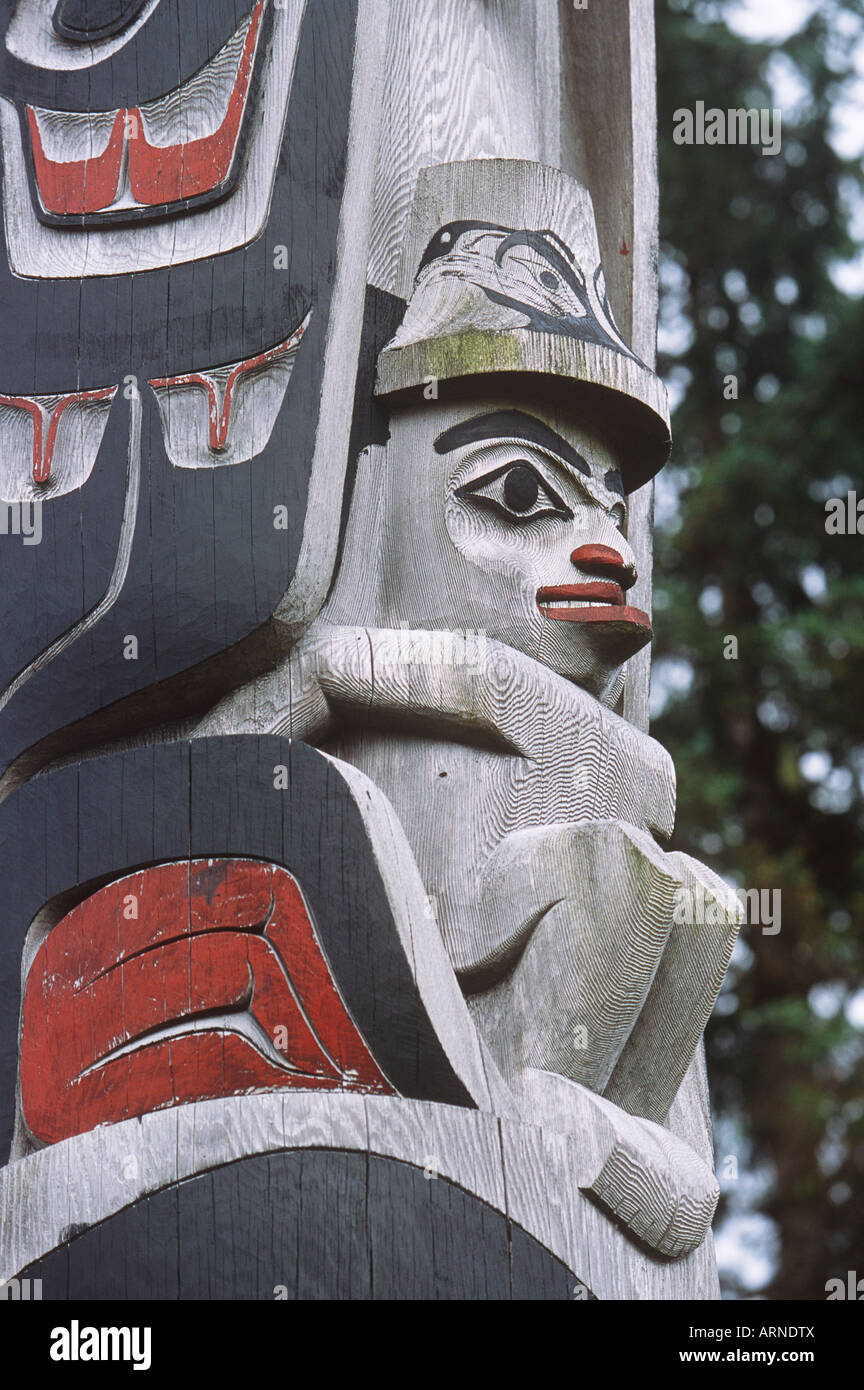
617	515
517	492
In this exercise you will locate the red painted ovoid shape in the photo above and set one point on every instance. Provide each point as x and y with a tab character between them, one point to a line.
39	411
594	555
187	981
158	174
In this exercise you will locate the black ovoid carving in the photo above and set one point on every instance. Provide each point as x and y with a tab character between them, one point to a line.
90	21
166	51
308	1224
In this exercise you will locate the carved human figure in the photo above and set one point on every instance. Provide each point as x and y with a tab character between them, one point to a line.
473	642
440	905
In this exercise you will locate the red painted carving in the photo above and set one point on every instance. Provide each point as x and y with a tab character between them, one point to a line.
606	598
50	408
216	386
595	554
168	174
158	174
218	987
79	185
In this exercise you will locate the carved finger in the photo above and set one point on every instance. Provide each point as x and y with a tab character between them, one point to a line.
659	1050
646	1177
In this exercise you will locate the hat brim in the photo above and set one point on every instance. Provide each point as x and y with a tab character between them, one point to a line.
633	398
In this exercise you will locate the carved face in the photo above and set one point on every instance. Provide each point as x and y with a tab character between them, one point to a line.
497	516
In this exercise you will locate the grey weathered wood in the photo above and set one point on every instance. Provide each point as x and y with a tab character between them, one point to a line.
534	1176
457	91
509	810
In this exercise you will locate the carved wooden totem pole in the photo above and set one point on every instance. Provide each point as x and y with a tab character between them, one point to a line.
339	953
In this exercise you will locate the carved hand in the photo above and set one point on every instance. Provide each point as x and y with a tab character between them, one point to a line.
604	986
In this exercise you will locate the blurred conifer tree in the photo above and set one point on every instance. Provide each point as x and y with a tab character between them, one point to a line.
770	746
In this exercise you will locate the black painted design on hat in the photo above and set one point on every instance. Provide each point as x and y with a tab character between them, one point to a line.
533	273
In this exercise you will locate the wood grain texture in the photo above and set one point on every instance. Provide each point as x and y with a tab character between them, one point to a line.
187	980
596	904
498	1164
502	272
459	895
64	433
326	824
209	770
308	1226
196	319
33	37
38	249
545	906
453	66
612	147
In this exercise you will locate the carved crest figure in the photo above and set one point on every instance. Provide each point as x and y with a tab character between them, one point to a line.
465	661
332	866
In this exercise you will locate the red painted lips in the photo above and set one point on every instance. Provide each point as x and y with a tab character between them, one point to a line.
601	601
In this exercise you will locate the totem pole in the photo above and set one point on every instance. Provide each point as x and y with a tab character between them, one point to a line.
339	954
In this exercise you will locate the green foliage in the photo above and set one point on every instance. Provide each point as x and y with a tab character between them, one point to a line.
748	243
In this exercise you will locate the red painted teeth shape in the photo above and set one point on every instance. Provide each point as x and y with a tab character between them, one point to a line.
220	387
158	174
50	409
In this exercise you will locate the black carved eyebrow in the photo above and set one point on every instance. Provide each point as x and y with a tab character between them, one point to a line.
511	424
614	481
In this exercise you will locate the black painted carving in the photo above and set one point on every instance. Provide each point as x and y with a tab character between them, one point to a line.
562	279
165	52
309	1224
207	565
89	21
510	424
157	211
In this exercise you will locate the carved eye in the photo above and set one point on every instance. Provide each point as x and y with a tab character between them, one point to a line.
617	515
516	492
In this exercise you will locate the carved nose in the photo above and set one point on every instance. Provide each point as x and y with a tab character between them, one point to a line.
606	562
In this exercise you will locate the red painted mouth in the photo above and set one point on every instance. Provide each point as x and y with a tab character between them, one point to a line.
599	602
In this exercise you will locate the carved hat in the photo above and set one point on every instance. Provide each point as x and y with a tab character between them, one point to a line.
501	272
